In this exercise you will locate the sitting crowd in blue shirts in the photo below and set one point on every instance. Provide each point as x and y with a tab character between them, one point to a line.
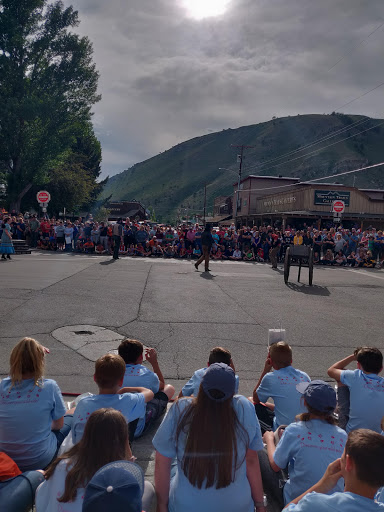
313	449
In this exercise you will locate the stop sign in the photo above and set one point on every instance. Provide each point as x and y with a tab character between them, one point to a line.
338	206
43	196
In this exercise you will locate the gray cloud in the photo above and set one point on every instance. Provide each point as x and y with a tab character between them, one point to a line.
166	77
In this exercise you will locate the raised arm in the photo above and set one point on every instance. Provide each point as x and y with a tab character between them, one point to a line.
335	370
148	394
151	357
267	369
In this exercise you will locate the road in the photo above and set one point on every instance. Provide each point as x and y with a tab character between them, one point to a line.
182	313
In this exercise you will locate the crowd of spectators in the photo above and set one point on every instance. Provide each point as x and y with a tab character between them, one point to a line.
311	449
331	246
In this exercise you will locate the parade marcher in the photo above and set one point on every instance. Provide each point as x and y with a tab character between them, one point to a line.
206	242
117	234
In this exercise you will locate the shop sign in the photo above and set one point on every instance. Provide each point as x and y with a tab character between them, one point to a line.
330	196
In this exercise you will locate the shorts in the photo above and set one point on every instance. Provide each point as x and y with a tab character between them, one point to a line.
60	239
155	408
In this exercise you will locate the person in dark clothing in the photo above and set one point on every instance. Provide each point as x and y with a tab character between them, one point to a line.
206	242
117	232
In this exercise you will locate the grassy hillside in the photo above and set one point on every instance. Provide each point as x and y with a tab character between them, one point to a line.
175	179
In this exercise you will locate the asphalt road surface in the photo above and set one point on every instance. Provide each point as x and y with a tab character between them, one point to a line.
80	306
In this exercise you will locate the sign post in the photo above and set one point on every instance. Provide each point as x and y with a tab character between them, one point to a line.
43	197
338	208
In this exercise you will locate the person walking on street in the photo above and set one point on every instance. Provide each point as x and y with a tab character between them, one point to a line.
117	232
6	245
206	242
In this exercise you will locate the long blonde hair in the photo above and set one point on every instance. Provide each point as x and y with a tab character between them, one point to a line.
26	357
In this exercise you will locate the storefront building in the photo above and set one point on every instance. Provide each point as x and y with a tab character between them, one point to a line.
301	204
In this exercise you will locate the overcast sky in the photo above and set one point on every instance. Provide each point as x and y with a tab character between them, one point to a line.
169	74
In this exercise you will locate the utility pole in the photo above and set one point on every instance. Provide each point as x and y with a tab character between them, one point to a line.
238	199
205	201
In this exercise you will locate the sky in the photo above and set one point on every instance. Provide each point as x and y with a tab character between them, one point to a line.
171	70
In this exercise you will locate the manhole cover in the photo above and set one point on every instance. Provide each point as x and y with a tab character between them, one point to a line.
91	341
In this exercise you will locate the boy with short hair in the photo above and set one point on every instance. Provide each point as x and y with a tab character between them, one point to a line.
366	389
361	466
217	355
130	401
280	385
136	374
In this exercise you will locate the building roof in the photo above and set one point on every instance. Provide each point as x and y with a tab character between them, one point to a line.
281	178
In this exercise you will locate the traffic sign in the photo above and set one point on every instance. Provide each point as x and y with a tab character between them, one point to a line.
43	196
338	206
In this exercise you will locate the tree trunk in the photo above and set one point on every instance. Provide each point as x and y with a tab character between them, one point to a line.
15	205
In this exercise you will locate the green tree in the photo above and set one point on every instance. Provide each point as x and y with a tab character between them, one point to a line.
48	84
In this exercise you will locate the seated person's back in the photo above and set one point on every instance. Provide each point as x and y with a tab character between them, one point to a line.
30	407
217	355
281	384
136	374
366	388
109	374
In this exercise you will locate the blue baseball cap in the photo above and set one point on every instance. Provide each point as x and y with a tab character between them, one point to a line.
221	377
319	395
116	486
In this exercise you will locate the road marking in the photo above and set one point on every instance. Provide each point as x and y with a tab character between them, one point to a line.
365	273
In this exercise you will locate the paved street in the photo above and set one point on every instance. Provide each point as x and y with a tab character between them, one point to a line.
182	313
81	306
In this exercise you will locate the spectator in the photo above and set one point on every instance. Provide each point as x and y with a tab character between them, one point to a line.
280	385
308	445
340	259
68	476
137	375
217	468
217	355
109	376
130	492
363	405
6	245
32	421
59	232
362	470
236	255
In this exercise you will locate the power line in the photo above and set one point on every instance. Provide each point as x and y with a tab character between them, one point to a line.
338	132
320	149
356	46
361	95
314	180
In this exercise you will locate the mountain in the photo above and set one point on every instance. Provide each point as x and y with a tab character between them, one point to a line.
174	180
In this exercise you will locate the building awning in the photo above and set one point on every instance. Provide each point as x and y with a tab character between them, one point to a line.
317	214
217	219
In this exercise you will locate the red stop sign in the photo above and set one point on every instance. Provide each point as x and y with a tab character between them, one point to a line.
43	196
338	206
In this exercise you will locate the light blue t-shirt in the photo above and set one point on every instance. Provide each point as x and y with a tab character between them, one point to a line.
193	385
26	414
183	496
281	386
48	492
131	405
366	399
137	375
308	447
339	501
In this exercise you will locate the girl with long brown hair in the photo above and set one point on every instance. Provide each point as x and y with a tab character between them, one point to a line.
105	440
32	424
215	438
